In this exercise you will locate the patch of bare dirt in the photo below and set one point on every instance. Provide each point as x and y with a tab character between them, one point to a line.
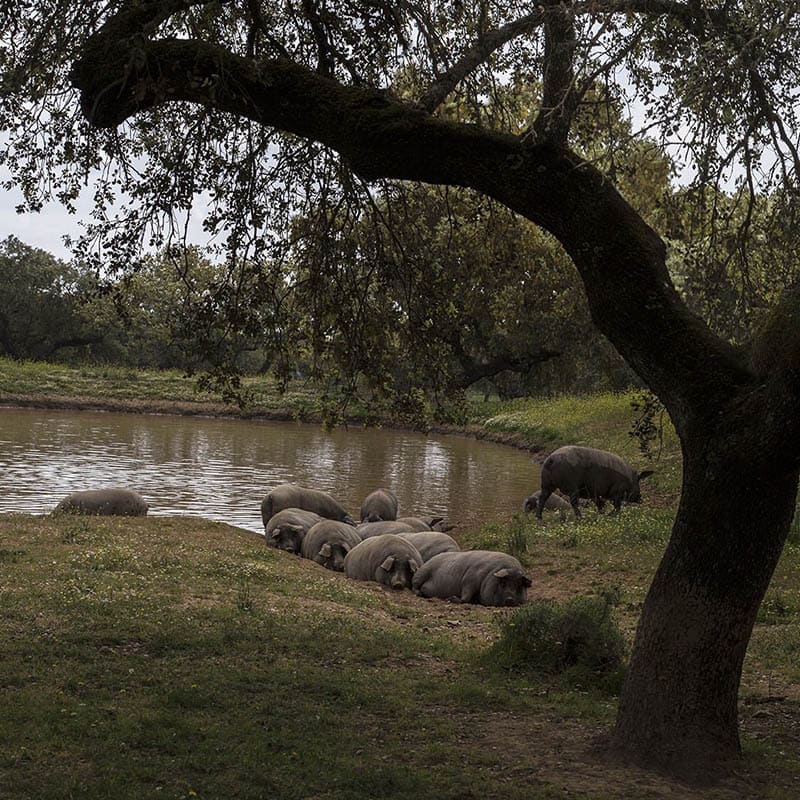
571	757
775	718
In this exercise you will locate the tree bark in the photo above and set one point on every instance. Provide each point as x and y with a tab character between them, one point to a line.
678	707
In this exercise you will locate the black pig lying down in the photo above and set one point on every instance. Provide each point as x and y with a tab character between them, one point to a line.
386	559
105	502
431	543
329	542
289	495
287	529
427	523
379	505
366	530
482	577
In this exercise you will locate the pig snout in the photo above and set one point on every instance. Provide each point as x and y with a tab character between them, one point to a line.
398	581
519	597
400	577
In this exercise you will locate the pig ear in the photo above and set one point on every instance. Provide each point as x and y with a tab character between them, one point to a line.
502	573
325	550
276	534
646	473
387	563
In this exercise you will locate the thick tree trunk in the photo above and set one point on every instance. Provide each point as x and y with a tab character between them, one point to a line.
678	707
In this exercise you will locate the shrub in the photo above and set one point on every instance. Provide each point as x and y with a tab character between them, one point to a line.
578	640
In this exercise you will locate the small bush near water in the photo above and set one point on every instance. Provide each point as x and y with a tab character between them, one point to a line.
577	640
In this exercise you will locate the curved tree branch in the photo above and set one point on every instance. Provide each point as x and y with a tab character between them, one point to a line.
621	260
477	55
491	41
474	369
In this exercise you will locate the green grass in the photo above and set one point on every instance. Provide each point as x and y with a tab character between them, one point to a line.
179	658
32	377
600	420
134	388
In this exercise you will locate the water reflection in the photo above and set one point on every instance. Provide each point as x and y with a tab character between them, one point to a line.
221	469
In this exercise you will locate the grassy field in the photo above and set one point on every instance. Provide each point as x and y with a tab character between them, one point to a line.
177	658
114	387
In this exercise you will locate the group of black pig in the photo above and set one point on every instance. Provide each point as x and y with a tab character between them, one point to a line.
410	552
398	552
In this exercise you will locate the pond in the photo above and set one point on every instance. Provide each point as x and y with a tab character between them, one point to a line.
222	468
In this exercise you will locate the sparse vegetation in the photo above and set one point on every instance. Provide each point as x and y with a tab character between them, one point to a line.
577	640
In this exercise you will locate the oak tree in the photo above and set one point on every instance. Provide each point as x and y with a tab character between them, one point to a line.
249	104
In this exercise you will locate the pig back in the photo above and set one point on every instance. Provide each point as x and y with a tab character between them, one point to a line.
367	530
364	559
104	502
587	470
379	505
442	575
331	532
431	543
468	575
553	503
292	516
289	495
415	523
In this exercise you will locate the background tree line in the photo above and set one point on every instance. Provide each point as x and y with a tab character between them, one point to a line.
421	289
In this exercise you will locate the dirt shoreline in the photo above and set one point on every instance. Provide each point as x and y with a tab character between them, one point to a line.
188	408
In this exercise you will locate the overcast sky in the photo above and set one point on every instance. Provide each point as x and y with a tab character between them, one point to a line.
45	230
48	228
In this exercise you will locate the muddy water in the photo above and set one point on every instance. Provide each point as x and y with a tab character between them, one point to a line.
221	469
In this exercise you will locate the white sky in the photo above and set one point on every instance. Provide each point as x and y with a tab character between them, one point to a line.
45	230
48	228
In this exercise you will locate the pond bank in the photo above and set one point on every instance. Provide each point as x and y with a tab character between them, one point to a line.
536	425
187	408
